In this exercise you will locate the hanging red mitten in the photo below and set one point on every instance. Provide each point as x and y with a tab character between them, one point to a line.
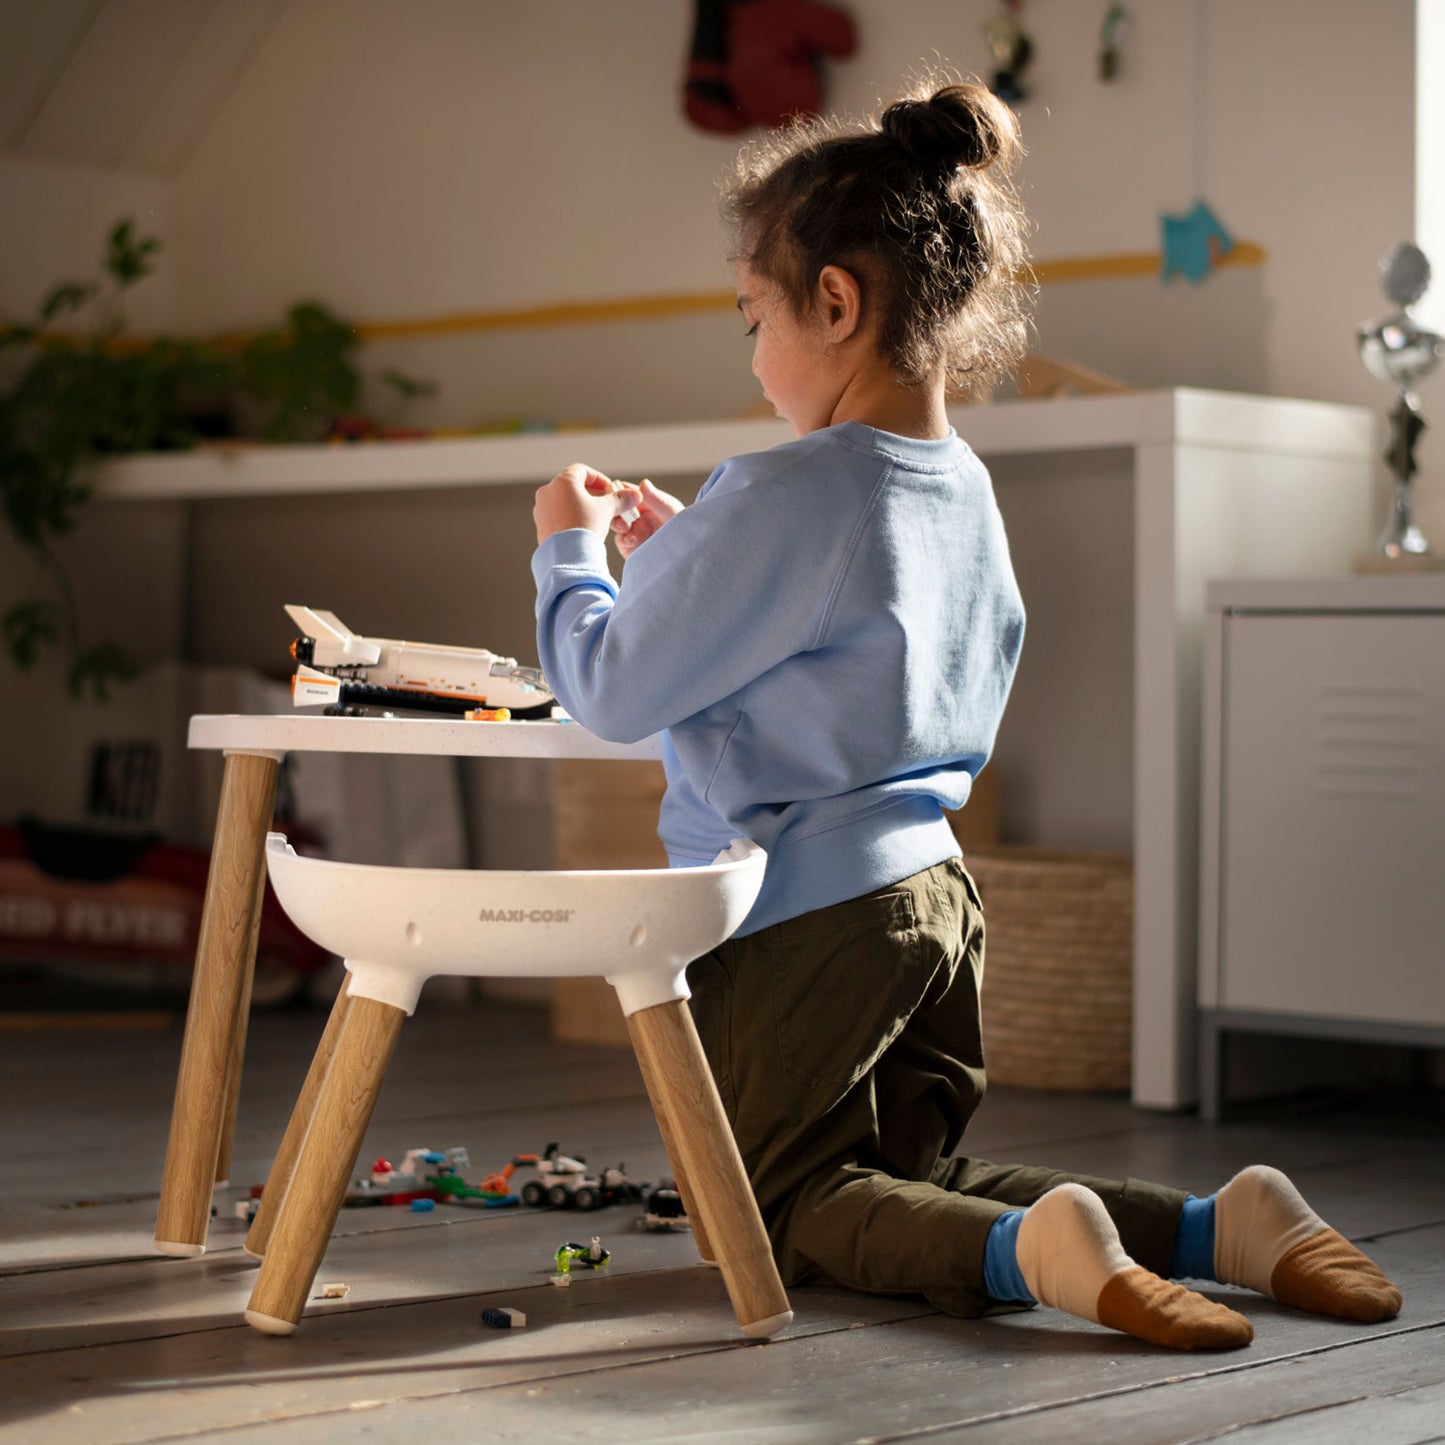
758	62
775	50
706	95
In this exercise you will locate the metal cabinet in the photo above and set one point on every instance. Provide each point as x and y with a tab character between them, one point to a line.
1322	885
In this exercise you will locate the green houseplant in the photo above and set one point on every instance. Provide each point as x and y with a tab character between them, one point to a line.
67	400
64	401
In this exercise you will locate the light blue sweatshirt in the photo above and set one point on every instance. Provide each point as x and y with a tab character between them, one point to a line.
827	636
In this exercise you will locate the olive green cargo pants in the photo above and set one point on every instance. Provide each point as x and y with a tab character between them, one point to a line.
846	1046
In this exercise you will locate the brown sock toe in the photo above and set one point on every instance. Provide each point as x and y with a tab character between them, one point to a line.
1149	1308
1327	1275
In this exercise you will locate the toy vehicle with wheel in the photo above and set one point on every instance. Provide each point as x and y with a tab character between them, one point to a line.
565	1182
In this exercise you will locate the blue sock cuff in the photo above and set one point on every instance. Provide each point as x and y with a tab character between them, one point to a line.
1003	1280
1194	1244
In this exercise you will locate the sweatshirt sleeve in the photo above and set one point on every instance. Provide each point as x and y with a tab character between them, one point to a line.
708	603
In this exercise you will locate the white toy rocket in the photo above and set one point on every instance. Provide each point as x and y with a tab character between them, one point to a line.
339	669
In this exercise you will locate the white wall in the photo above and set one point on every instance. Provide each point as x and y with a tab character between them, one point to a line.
446	156
54	220
1430	153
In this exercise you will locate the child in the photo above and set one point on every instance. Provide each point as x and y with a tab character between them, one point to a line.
827	638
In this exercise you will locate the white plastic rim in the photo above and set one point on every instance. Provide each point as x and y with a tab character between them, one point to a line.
397	927
269	1324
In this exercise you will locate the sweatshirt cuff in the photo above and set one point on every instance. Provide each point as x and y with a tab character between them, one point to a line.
576	550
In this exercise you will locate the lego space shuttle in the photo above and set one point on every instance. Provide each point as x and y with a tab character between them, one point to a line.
344	672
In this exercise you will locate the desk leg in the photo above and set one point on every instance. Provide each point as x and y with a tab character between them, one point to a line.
221	982
671	1057
238	1044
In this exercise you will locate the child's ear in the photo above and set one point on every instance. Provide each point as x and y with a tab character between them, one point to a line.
840	302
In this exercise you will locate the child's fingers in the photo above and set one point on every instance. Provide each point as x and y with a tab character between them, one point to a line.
659	504
642	509
637	528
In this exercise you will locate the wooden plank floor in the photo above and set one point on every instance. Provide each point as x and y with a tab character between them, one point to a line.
104	1341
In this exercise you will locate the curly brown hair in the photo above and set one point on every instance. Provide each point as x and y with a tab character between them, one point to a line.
917	204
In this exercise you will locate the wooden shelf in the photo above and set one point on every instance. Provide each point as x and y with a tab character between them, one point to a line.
1134	419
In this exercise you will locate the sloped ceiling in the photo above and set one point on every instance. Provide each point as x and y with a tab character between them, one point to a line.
126	85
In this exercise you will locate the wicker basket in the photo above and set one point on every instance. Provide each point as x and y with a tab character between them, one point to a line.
1058	986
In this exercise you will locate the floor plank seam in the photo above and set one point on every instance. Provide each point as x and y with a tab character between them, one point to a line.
358	1306
1021	1412
66	1267
464	1217
322	1413
1303	1411
1404	1229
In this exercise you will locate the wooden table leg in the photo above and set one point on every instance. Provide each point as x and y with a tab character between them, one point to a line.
248	798
278	1181
666	1038
238	1044
318	1184
669	1143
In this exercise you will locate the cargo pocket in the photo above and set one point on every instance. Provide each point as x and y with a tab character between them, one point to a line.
844	981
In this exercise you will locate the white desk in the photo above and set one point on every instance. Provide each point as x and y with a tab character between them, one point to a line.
429	737
1118	508
208	1084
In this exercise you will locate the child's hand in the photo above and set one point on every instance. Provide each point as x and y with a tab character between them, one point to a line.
578	496
651	507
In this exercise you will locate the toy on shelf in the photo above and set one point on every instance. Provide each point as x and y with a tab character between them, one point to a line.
348	674
566	1183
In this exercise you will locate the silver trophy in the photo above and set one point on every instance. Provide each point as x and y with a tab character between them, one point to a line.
1399	350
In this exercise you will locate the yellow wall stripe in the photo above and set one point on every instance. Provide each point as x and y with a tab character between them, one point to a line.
651	308
692	303
1131	263
563	313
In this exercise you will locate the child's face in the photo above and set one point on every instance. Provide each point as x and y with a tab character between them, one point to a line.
789	354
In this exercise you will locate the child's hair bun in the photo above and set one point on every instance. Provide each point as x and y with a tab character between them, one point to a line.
959	125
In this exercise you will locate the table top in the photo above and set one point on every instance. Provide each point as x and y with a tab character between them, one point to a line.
314	733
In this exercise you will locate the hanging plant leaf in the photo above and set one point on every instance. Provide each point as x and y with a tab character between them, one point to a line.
30	627
65	402
69	296
126	259
97	667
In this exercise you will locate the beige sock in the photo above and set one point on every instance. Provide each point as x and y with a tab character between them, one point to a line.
1268	1239
1071	1258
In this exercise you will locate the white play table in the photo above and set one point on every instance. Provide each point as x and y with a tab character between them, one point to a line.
209	1079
